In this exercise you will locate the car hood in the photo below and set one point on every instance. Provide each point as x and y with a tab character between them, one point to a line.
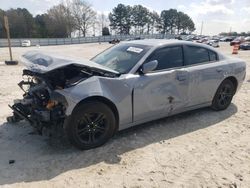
44	62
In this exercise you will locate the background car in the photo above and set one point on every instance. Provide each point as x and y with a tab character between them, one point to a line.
202	40
247	39
178	37
128	84
26	43
114	41
238	40
245	46
135	38
213	43
191	38
227	39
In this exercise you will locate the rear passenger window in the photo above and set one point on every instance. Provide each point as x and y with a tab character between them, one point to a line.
195	55
212	56
169	57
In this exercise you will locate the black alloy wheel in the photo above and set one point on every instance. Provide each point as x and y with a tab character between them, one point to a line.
91	125
224	95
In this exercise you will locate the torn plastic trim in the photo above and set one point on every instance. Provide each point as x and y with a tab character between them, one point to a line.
27	72
20	114
56	96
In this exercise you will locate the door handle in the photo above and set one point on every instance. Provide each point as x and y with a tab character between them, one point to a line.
219	70
181	77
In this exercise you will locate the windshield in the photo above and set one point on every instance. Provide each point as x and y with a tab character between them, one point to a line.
122	57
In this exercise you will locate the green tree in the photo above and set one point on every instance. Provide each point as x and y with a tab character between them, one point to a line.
121	19
21	23
139	18
243	34
2	31
41	30
184	23
29	21
173	22
105	31
169	20
83	14
153	21
59	22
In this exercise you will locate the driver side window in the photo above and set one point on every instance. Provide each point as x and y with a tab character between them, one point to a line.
168	57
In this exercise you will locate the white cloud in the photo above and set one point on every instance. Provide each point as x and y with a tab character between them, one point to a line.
207	7
106	13
48	2
247	9
181	7
220	2
217	15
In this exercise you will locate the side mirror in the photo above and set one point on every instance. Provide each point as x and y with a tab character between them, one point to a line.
149	66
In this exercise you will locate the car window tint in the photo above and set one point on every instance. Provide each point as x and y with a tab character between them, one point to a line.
168	57
195	55
212	56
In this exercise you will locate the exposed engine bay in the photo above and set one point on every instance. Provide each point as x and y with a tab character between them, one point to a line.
42	106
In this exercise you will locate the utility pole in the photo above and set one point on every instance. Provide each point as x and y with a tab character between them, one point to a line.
201	27
7	29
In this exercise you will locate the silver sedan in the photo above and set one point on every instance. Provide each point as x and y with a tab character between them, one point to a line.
128	84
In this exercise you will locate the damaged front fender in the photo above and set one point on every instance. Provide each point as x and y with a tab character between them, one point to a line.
115	90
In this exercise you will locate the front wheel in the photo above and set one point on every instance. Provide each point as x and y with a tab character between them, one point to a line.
91	125
224	95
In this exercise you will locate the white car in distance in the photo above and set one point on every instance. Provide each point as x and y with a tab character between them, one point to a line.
26	43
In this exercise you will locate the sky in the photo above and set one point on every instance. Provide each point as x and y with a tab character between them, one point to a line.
217	15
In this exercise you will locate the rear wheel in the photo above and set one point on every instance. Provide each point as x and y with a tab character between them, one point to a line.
224	95
91	125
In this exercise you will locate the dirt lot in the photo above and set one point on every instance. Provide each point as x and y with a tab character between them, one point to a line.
201	148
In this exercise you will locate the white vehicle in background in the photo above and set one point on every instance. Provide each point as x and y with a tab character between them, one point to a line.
247	39
213	43
26	43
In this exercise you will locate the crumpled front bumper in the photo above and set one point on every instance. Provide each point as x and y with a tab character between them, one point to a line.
38	116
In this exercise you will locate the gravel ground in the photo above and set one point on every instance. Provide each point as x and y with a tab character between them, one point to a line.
201	148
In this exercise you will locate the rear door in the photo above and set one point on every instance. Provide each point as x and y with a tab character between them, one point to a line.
163	90
206	73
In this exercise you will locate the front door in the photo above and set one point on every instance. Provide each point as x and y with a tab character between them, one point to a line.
163	90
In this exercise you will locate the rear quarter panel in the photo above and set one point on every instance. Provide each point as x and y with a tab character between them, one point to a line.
238	68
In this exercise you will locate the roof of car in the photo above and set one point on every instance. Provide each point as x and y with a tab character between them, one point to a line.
152	42
163	42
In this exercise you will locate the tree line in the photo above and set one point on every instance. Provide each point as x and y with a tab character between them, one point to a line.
245	34
78	18
138	19
59	21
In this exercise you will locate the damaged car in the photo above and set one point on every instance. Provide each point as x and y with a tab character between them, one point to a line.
128	84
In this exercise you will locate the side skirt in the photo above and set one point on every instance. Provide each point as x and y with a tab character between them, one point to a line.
125	126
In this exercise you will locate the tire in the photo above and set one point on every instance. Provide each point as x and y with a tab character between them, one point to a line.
223	95
91	125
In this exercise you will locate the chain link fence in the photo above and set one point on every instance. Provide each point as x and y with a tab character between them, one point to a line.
79	40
